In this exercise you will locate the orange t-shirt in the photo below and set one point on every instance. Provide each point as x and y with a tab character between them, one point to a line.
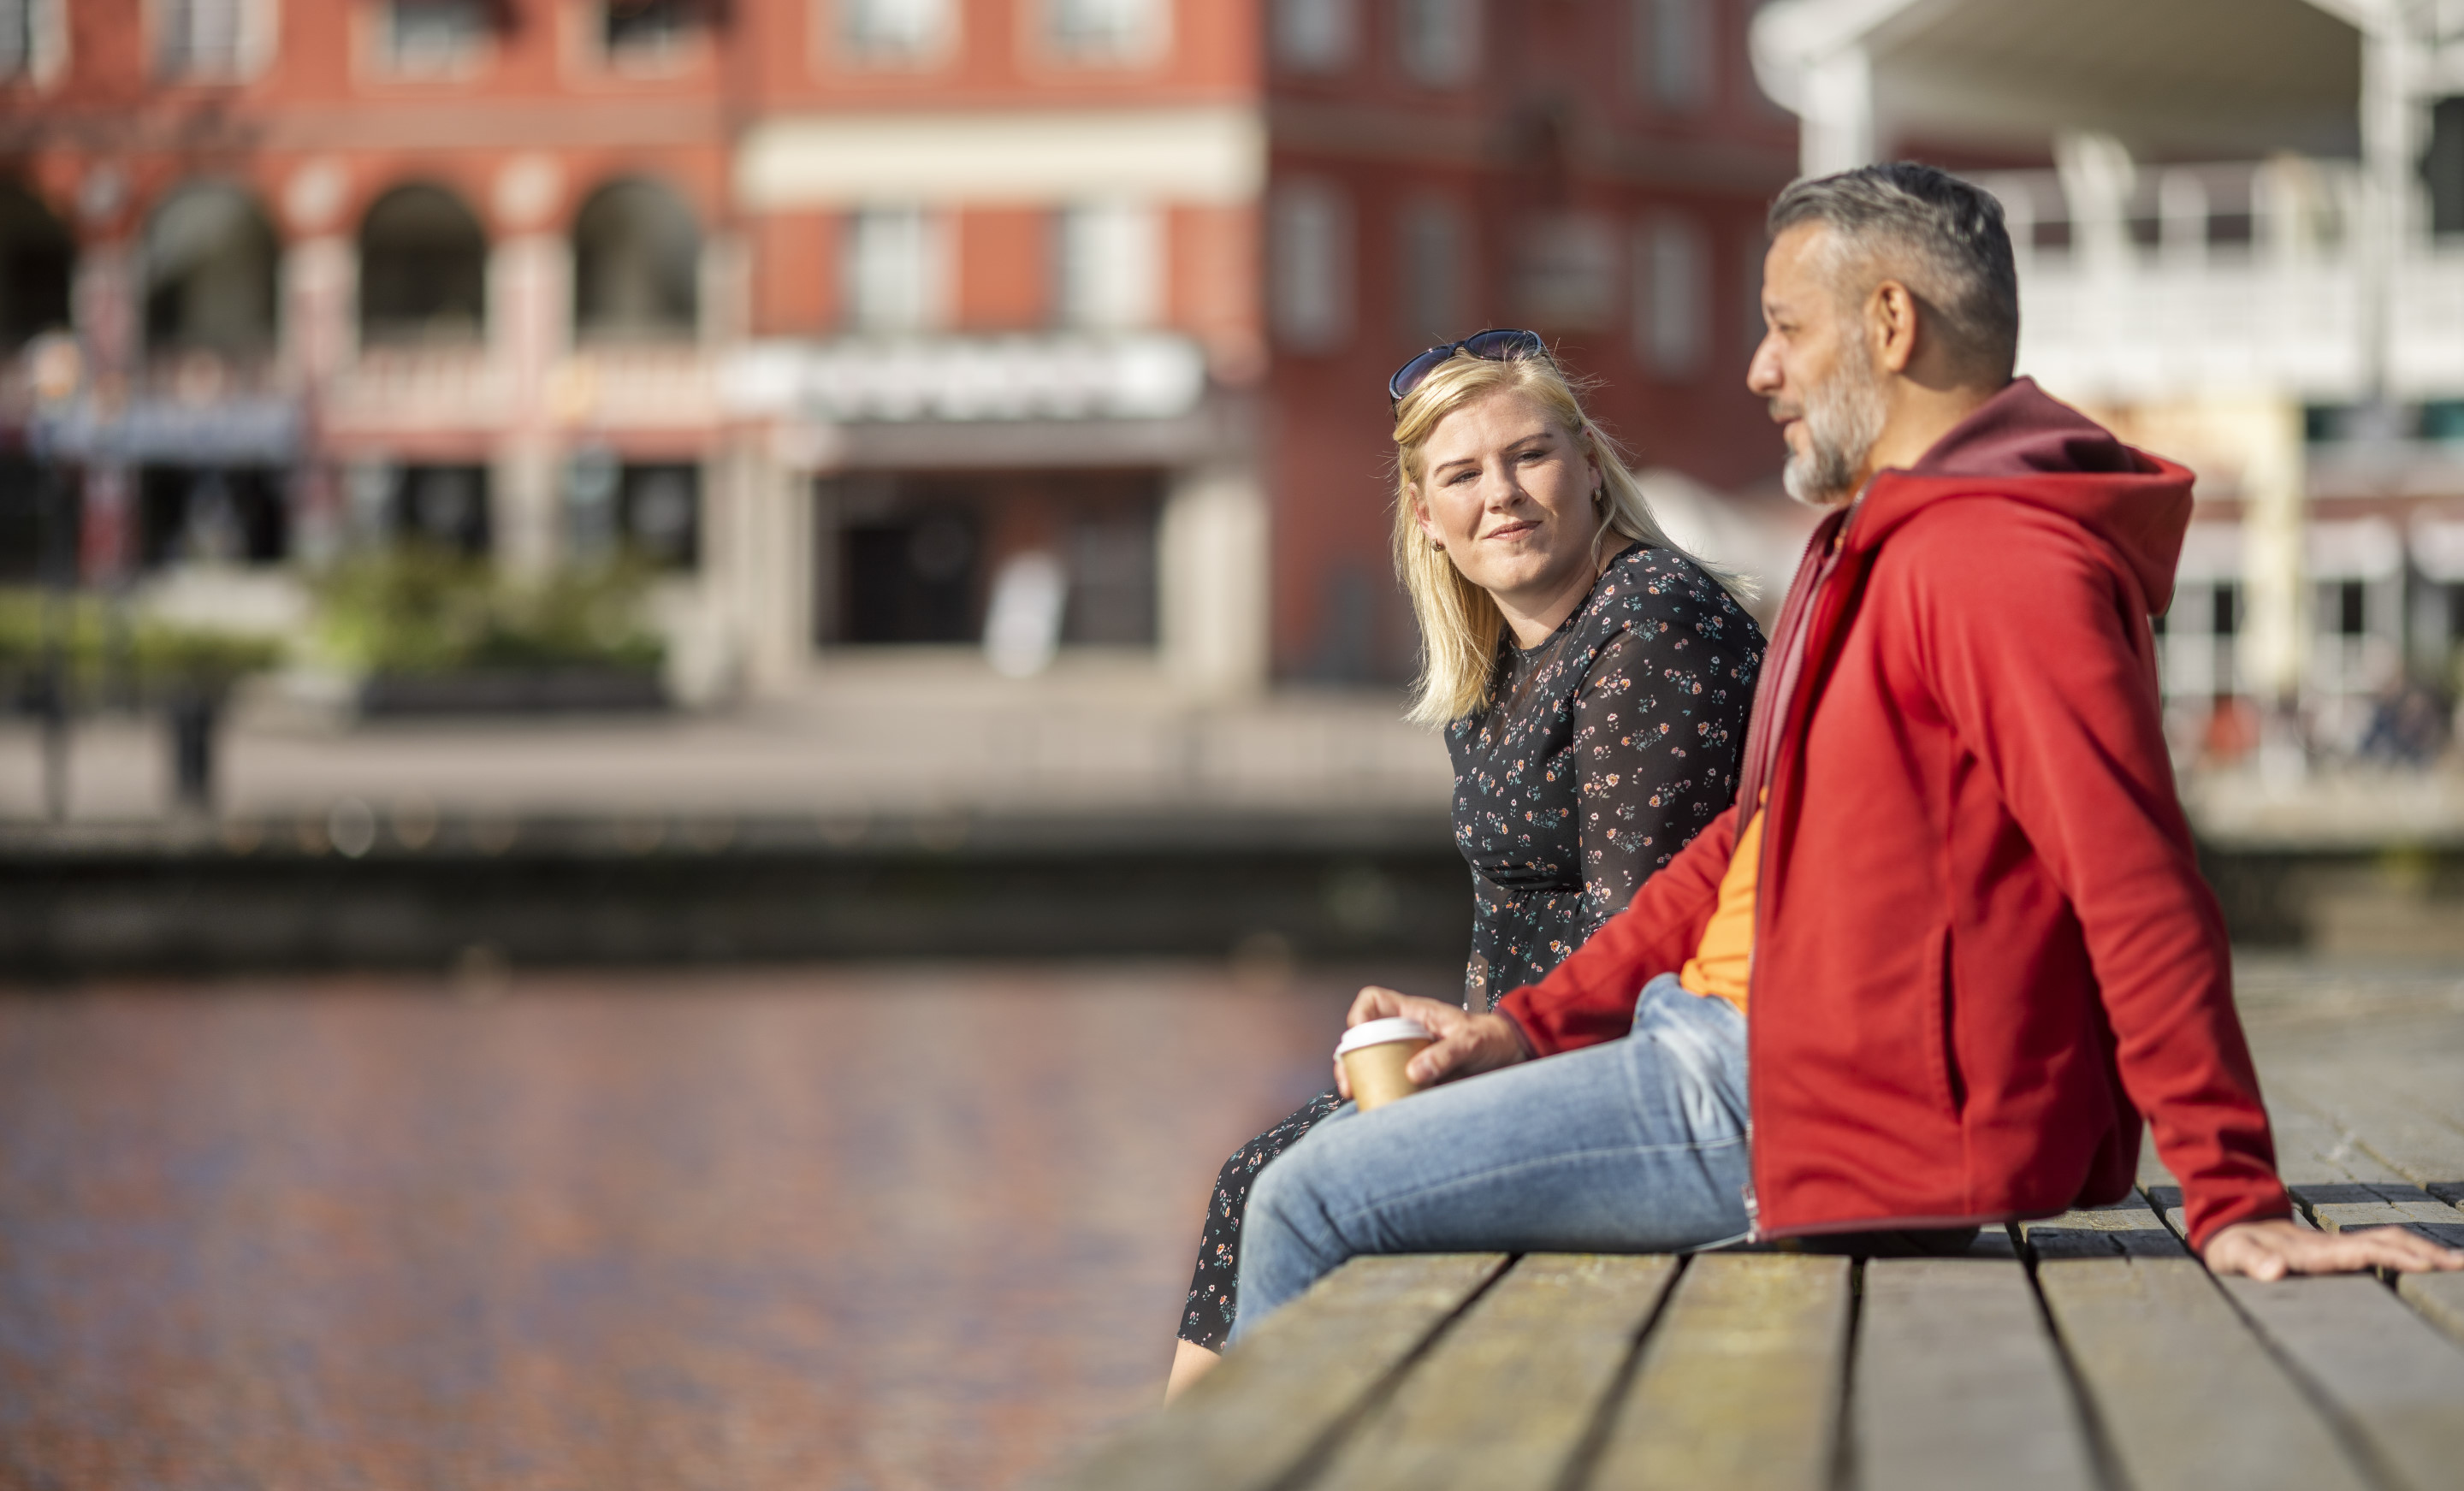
1726	955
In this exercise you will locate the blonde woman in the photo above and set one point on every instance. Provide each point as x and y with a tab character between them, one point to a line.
1591	678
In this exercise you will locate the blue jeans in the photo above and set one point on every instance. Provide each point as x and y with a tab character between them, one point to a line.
1634	1146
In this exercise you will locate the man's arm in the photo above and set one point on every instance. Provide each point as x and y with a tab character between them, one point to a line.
1589	997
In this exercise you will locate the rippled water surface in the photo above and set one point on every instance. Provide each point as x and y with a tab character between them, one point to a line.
812	1229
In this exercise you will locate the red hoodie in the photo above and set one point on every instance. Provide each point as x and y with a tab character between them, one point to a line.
1982	946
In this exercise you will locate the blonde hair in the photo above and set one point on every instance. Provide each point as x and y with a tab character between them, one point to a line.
1460	621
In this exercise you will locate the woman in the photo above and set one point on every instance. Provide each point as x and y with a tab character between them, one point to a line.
1592	678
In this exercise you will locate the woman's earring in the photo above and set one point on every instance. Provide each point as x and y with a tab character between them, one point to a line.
1435	547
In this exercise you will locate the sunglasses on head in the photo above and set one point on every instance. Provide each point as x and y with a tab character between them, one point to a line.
1498	344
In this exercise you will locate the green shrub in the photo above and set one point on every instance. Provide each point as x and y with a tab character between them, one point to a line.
96	647
416	610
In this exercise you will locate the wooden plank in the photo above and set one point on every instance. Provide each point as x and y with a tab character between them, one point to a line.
2310	1149
1291	1387
1958	1385
2187	1394
1740	1384
2385	1371
2338	1207
1507	1397
2152	1170
2423	1149
2440	1296
2129	1228
2166	1201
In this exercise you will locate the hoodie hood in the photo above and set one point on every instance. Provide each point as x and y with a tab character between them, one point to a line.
2026	446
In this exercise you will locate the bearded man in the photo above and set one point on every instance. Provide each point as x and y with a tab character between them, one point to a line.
1953	929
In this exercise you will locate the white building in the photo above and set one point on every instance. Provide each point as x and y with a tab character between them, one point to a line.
2240	233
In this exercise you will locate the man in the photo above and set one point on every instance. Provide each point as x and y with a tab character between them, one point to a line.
1954	927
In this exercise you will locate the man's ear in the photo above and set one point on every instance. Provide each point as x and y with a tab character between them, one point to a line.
1891	320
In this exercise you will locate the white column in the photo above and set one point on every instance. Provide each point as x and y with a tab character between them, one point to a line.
320	301
105	308
762	553
1212	591
530	334
2276	581
1837	112
320	328
2397	75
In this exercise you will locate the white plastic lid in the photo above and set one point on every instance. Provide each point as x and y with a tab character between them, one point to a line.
1381	1032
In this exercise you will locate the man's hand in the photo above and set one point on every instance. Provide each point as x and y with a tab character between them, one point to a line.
1465	1044
2270	1250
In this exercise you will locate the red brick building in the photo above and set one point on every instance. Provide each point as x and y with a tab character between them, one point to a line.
840	306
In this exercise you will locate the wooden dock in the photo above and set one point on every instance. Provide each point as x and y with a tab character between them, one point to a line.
2089	1350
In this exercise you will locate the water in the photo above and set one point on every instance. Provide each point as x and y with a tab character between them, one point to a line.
811	1228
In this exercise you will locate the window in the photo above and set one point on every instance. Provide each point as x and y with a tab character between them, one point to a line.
209	273
211	40
1430	245
1315	35
1674	51
444	507
429	37
651	512
897	270
210	516
1309	251
1749	280
1441	40
1105	30
16	38
1672	298
2442	166
894	32
1566	274
651	28
636	264
36	256
1110	266
422	268
32	37
2352	607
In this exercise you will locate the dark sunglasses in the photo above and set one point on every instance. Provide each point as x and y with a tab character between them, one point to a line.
1496	346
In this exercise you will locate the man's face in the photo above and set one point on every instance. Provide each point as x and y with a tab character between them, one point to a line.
1815	366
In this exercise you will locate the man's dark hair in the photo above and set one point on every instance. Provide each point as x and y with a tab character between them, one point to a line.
1940	236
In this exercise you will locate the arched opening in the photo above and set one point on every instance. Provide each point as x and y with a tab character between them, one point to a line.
422	268
636	264
35	257
209	273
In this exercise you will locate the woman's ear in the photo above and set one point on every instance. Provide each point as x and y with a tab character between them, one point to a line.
1421	516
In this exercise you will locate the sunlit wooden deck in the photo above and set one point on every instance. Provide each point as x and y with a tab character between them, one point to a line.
2087	1351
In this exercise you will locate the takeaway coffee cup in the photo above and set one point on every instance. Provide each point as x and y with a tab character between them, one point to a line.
1372	1054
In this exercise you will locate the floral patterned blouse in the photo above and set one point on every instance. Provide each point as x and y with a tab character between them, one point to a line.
1604	751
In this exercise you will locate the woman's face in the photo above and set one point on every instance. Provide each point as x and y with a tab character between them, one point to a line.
1507	490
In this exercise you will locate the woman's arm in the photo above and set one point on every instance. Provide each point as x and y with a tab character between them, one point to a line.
1659	726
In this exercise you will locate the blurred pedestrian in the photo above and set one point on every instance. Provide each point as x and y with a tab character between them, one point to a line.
1591	678
2407	726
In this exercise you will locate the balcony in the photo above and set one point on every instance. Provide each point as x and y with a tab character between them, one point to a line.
2158	283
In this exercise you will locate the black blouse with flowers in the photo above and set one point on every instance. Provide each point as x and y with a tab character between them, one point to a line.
1604	751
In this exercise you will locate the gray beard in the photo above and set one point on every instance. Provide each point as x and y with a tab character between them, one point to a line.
1843	418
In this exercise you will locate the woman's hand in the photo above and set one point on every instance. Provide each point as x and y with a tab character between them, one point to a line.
1466	1044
